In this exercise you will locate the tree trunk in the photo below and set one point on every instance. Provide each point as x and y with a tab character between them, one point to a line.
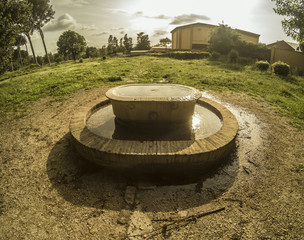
11	61
42	38
20	57
26	49
31	44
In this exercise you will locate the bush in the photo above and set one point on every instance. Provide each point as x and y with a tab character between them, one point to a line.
223	39
58	58
281	68
215	56
114	79
262	65
186	55
253	50
233	56
81	60
297	71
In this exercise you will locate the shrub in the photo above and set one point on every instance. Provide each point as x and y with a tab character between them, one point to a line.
262	65
297	71
253	50
58	58
114	79
233	56
215	56
187	55
281	68
81	60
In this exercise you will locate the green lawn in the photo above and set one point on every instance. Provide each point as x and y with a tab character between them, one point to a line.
19	88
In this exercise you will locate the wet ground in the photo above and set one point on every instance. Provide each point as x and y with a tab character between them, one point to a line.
49	192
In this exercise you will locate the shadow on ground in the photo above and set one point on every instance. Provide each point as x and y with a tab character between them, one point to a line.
84	184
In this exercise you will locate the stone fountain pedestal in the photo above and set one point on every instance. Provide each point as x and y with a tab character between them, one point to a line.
201	151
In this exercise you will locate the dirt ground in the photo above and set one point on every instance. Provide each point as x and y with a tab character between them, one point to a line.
49	192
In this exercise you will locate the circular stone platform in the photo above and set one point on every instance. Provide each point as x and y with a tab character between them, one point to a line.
131	154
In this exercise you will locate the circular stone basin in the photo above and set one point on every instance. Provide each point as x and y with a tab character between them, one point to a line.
103	143
153	102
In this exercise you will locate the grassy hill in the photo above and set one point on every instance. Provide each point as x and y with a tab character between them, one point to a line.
20	88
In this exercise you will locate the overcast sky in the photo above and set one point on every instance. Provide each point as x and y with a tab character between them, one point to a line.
97	19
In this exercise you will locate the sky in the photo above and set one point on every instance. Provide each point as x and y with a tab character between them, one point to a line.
97	19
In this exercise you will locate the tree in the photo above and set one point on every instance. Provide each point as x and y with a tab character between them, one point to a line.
14	15
143	42
127	43
42	13
293	25
112	45
19	41
71	44
92	52
165	42
223	39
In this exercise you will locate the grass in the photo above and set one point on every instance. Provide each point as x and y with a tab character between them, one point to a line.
20	88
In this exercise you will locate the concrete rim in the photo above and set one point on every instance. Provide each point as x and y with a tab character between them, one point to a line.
196	94
128	154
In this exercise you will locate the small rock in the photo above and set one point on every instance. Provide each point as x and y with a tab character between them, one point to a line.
124	216
183	213
130	194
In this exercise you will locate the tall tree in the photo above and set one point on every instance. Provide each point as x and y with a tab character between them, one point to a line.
71	44
19	41
112	45
293	25
42	13
14	15
127	42
28	30
143	42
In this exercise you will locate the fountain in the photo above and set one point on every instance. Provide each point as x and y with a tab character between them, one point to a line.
154	127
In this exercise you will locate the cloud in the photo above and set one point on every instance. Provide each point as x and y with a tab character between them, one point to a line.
74	3
119	30
64	22
101	34
162	16
141	14
188	18
158	33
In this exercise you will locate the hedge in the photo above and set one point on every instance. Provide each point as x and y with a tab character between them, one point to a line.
186	55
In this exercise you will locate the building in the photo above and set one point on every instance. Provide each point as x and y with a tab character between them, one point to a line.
285	46
197	35
287	52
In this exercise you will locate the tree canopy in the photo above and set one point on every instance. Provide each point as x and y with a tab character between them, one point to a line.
143	42
71	44
42	13
165	42
14	15
223	39
293	24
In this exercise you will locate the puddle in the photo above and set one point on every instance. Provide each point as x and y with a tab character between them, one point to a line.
214	184
89	186
204	123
